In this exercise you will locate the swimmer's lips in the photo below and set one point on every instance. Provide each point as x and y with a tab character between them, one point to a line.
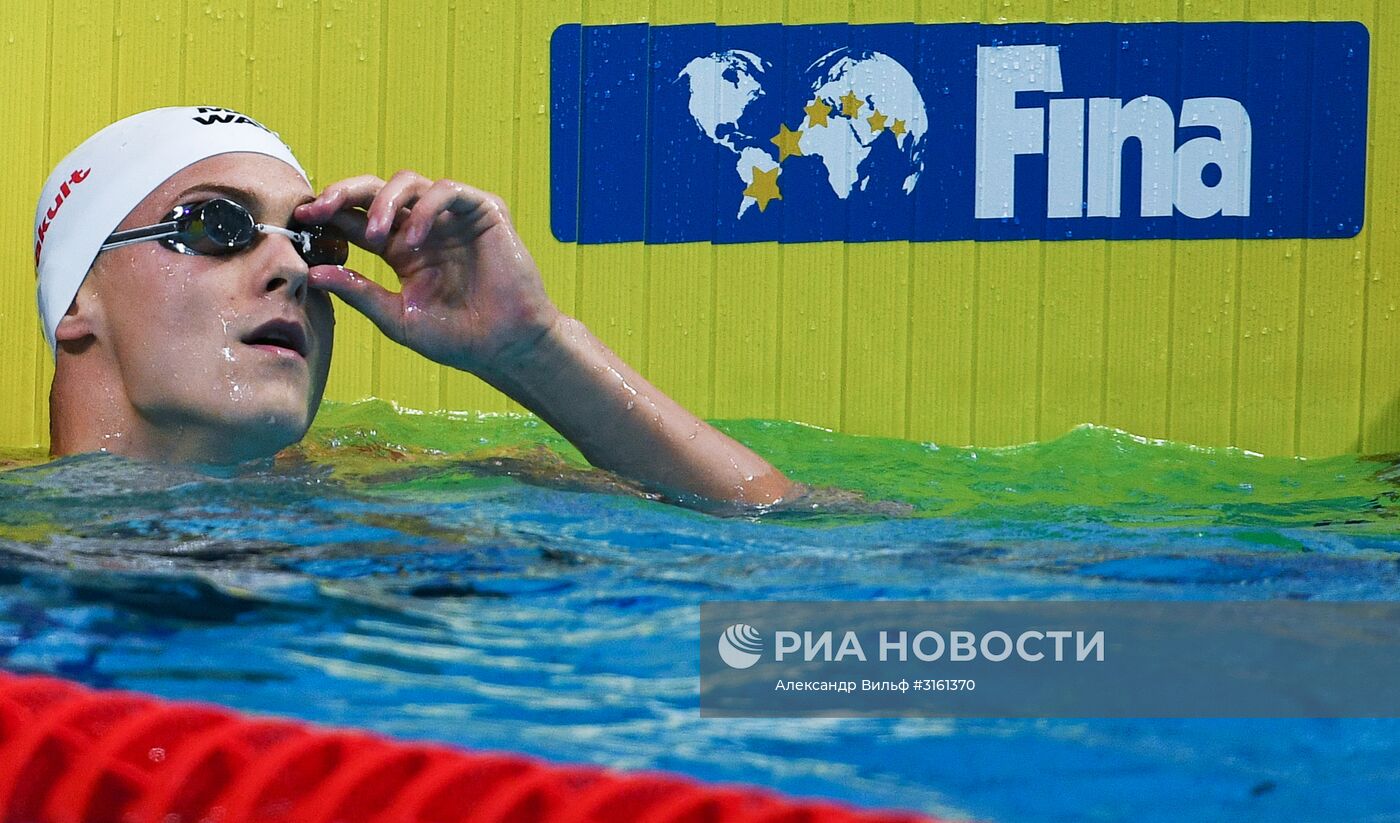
283	335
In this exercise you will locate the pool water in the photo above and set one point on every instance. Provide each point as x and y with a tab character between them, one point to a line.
464	578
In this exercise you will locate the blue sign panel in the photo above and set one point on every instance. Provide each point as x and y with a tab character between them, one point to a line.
735	134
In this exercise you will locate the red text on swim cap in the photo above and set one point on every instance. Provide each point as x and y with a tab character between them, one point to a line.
64	192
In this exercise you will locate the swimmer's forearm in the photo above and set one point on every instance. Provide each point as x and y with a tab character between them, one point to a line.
623	423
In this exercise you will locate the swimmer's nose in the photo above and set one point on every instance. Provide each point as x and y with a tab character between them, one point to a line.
285	270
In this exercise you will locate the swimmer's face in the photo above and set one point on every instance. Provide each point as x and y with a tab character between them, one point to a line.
230	349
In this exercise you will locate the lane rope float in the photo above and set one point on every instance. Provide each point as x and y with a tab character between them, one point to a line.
70	754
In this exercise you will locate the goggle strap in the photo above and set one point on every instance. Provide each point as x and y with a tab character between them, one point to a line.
302	238
159	231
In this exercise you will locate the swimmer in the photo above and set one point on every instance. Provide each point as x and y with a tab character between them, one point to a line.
185	267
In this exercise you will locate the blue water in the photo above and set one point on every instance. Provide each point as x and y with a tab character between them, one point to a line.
499	614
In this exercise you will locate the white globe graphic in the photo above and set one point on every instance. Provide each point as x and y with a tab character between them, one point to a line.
881	85
740	646
871	96
722	85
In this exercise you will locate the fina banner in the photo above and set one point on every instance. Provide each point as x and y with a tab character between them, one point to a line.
1275	658
736	134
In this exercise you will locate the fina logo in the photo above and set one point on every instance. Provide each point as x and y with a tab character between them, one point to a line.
944	132
740	646
860	97
1171	176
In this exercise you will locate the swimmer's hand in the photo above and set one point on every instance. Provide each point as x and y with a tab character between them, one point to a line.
471	297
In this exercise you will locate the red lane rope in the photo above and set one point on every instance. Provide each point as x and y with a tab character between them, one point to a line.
69	754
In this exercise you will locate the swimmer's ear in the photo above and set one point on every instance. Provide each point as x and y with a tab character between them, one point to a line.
82	319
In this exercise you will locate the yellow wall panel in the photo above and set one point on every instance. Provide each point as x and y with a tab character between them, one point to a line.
86	44
150	40
481	136
416	47
1267	358
1278	346
1007	343
1380	397
217	46
282	61
1150	11
24	377
940	341
347	144
1203	338
1136	385
877	339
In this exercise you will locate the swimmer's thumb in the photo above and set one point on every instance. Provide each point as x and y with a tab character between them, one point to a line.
380	305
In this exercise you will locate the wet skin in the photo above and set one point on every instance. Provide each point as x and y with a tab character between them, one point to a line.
159	351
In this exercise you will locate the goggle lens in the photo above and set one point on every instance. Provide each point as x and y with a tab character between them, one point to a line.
221	227
324	246
212	227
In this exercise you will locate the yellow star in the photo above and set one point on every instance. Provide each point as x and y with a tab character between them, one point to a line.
764	186
898	128
850	104
786	141
817	111
876	121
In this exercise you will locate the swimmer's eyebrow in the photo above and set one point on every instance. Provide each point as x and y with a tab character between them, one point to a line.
249	199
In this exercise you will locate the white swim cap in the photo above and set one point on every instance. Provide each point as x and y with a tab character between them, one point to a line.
97	185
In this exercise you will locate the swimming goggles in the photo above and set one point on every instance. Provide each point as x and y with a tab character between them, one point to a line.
223	227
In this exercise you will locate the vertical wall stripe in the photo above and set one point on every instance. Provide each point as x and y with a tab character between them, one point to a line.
348	142
1381	401
25	60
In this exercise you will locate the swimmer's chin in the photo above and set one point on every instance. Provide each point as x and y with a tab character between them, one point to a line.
218	445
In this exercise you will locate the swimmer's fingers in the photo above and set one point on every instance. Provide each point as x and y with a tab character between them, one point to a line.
476	210
401	192
350	193
386	204
353	224
383	307
344	204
